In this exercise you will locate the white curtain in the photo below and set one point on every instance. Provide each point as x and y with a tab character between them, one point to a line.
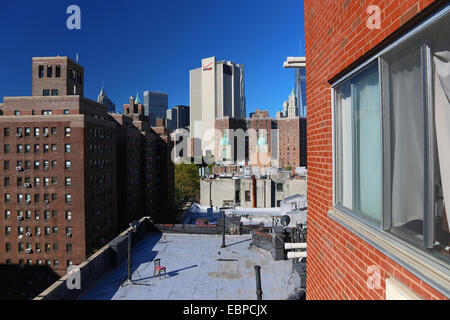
366	93
345	109
407	137
441	60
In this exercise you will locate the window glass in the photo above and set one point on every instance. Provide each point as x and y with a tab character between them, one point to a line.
359	156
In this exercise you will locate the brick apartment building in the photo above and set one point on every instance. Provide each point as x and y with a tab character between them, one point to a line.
378	141
270	142
71	175
57	172
144	154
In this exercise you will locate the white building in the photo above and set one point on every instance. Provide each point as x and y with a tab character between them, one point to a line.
216	90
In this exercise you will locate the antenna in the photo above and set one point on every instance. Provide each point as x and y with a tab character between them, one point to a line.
76	57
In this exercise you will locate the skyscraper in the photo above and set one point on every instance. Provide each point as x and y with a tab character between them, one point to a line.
155	105
103	99
177	118
216	90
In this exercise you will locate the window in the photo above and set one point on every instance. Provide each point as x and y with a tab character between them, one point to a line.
36	182
7	198
7	214
6	184
53	147
6	165
55	230
53	130
49	71
67	131
19	148
359	144
46	112
54	92
36	148
57	71
66	111
247	195
37	198
16	112
54	163
6	132
68	182
68	215
36	132
46	214
279	187
54	180
27	148
8	247
69	248
68	198
46	92
6	148
54	213
41	71
67	165
45	148
67	148
46	181
47	231
391	141
8	231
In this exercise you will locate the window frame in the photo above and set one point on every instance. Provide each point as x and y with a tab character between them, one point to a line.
365	226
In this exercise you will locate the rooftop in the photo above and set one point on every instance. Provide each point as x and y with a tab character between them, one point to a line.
198	269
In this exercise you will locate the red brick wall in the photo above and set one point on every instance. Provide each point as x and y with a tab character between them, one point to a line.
337	36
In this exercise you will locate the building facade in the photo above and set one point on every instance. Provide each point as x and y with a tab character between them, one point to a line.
178	118
57	175
216	90
378	85
156	105
72	175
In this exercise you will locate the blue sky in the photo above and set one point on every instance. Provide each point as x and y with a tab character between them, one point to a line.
139	45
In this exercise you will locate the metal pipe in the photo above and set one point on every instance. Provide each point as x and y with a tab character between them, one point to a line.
129	255
258	283
301	245
223	229
294	255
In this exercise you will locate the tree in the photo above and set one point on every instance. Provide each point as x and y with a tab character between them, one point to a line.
187	183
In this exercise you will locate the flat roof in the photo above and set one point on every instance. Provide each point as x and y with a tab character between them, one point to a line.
197	269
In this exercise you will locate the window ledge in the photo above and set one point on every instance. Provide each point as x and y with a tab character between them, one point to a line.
423	266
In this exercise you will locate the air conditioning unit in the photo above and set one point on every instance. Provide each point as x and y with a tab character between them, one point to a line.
47	201
45	168
27	185
19	218
69	235
28	201
28	234
20	236
19	168
19	135
29	250
38	234
38	250
45	134
38	218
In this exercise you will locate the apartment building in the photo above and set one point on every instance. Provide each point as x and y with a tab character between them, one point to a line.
57	172
378	138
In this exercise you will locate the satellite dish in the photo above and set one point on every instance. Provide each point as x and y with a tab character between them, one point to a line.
285	220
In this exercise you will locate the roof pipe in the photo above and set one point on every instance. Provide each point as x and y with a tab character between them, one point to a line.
295	255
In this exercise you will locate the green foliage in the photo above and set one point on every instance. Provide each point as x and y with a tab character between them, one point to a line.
187	183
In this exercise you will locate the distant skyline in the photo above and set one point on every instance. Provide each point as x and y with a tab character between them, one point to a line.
134	46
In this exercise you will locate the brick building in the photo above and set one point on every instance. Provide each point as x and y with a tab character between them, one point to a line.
72	175
145	170
57	172
377	183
